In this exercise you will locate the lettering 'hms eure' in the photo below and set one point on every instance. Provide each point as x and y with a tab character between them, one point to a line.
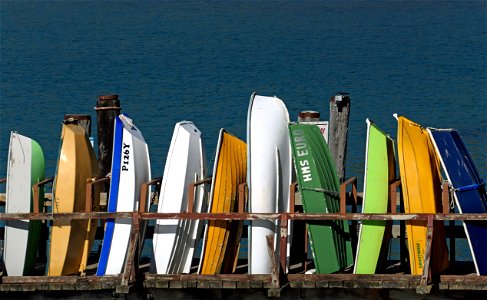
302	151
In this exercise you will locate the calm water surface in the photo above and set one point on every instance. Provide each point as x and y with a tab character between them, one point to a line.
172	61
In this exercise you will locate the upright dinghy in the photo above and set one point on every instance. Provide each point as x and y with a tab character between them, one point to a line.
269	175
71	240
130	169
174	241
379	173
468	189
25	168
421	190
221	238
319	188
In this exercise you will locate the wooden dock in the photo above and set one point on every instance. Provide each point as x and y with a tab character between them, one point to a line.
137	279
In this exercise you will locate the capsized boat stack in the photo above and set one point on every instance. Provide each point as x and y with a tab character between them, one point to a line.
251	193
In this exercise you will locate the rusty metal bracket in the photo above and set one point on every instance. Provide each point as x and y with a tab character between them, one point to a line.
292	196
90	182
191	192
393	186
242	197
343	194
35	192
144	191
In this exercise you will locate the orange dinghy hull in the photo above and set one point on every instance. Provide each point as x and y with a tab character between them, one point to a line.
421	190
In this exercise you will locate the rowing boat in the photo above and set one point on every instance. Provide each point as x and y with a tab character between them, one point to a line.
421	190
269	176
318	186
468	189
222	238
71	240
130	169
25	168
174	240
379	172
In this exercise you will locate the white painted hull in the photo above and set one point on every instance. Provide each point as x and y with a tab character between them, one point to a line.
174	240
21	175
269	175
130	169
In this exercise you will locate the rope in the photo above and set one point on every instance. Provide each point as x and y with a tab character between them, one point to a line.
451	197
328	192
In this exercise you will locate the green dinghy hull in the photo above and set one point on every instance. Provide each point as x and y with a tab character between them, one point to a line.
379	173
319	188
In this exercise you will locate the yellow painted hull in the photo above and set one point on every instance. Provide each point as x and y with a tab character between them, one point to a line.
421	190
222	237
70	241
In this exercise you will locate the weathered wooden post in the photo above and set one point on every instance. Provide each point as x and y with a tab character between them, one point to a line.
107	109
339	116
82	120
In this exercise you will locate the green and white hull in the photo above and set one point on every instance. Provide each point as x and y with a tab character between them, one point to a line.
319	188
25	168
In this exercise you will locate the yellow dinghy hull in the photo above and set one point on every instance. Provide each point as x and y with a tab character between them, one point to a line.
71	241
221	241
421	191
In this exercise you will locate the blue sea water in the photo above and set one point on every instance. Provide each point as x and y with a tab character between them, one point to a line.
200	61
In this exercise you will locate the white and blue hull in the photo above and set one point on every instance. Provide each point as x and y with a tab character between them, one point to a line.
130	169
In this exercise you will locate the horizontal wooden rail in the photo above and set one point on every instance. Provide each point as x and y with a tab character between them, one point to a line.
243	216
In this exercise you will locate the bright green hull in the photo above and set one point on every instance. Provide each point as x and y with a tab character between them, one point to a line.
329	240
379	172
37	175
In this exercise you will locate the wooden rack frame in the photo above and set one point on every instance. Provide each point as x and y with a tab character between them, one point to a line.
273	282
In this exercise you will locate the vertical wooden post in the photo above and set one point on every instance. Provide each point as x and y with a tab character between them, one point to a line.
339	116
82	120
107	109
130	269
274	264
283	222
403	252
423	287
308	116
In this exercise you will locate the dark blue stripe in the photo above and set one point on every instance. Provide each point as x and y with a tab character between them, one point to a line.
113	197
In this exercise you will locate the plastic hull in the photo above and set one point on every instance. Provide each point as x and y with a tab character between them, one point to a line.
130	169
329	240
25	167
269	175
